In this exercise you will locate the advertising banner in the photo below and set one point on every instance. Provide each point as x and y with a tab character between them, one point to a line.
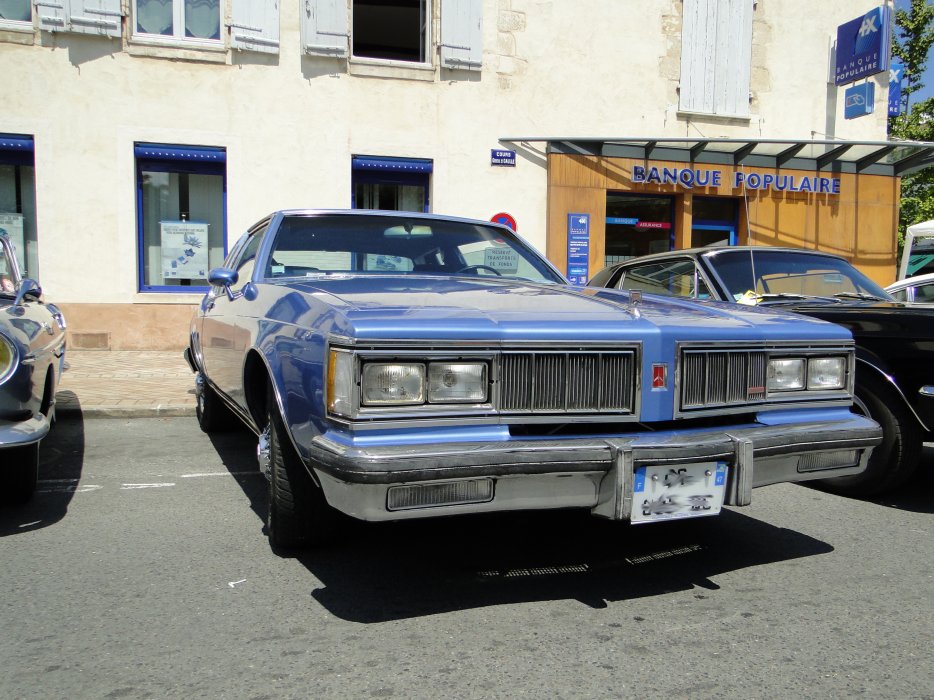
578	248
184	250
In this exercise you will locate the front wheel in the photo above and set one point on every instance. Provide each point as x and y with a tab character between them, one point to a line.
212	413
298	516
20	474
894	461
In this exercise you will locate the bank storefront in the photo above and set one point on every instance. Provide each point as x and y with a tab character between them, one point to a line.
609	200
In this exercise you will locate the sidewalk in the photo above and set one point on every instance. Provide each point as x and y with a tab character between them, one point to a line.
126	384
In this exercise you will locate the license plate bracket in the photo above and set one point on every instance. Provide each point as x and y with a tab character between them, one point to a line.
673	492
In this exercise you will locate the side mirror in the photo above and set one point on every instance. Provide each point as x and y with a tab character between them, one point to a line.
224	277
27	288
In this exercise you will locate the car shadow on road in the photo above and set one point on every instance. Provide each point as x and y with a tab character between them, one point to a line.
917	495
390	571
378	572
61	460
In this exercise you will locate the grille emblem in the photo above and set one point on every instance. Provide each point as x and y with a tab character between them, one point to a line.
659	376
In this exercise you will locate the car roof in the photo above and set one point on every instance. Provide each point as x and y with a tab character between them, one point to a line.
385	213
911	281
698	252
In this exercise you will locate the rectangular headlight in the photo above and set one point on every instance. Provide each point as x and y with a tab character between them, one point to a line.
393	384
826	373
456	382
786	374
340	383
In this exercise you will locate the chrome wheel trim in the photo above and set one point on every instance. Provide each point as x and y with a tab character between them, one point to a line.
263	454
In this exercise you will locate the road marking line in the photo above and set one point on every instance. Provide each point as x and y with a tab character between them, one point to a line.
200	474
144	486
70	488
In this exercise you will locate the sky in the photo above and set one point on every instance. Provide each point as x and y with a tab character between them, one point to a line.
928	79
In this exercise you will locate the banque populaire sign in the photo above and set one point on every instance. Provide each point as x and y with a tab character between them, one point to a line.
702	177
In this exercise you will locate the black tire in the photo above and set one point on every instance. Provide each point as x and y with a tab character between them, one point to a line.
895	460
20	474
213	414
298	517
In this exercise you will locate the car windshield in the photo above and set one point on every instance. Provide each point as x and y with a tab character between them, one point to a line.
7	273
782	274
399	245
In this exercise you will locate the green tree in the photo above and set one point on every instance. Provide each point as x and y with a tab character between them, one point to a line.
912	38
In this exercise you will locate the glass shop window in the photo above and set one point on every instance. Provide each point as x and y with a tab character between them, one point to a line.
182	221
637	225
16	14
714	221
18	200
177	19
392	30
394	184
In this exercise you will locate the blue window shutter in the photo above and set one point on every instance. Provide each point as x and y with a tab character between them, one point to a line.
325	27
716	56
99	17
255	25
51	15
462	34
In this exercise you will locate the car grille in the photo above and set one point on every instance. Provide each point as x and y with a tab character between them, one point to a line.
557	382
714	378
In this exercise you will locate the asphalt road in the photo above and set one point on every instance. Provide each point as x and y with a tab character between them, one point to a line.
141	570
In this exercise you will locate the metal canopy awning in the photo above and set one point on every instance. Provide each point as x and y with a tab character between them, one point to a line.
837	156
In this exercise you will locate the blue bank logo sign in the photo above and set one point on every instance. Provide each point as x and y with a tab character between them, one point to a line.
863	46
859	100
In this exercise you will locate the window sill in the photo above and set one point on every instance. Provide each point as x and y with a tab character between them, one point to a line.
17	33
177	49
713	117
391	69
168	297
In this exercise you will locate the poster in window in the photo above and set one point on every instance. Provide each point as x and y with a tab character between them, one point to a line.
184	250
13	225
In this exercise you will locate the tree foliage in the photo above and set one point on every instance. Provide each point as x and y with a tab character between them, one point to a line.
911	43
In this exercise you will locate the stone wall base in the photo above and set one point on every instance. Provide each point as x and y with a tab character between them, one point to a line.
128	326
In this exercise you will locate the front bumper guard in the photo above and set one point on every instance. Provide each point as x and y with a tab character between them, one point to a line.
355	479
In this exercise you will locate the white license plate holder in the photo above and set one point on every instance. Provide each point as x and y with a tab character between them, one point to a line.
673	492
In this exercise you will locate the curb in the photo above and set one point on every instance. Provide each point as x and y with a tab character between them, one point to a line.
124	411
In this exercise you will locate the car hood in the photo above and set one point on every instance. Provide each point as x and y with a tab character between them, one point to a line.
462	308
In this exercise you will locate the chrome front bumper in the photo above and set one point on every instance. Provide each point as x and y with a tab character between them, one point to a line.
593	473
24	432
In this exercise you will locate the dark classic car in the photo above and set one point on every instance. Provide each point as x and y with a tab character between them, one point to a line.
894	342
397	365
32	358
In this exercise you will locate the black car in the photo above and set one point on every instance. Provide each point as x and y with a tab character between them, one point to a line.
894	341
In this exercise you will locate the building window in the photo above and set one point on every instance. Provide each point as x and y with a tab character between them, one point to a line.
181	208
716	56
714	221
15	11
395	184
18	200
637	225
392	30
178	19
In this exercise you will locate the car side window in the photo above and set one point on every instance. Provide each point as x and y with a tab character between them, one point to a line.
900	295
925	293
678	278
246	261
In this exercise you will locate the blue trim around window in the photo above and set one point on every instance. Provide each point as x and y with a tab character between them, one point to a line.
176	159
395	165
17	150
378	170
718	226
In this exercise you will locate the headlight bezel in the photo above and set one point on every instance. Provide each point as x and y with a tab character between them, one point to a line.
350	371
805	378
9	357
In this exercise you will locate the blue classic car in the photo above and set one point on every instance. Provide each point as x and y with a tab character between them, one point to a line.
32	358
398	365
